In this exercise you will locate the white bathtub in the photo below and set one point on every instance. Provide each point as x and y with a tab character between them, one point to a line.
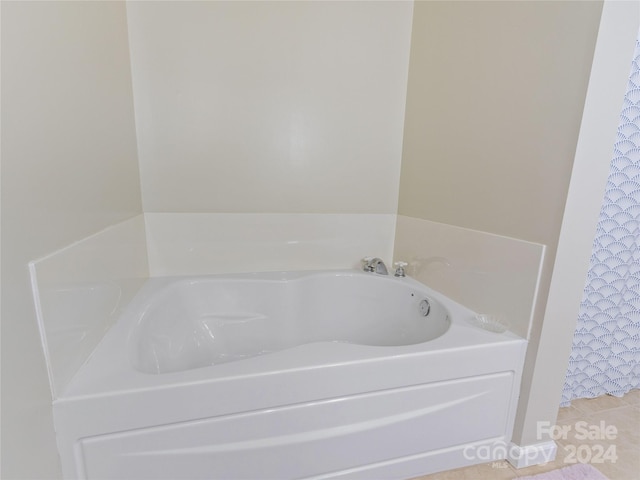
289	375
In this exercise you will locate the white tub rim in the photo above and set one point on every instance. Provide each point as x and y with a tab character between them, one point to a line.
108	370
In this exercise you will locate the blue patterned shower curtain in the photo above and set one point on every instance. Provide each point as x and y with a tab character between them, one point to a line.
606	345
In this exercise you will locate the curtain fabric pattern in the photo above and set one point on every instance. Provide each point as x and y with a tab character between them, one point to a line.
605	358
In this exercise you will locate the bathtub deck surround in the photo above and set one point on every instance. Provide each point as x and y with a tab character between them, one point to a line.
80	291
361	399
213	243
491	274
373	357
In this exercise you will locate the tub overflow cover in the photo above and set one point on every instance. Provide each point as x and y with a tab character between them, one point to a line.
425	308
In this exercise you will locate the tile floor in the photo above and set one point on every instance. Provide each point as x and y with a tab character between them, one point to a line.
620	456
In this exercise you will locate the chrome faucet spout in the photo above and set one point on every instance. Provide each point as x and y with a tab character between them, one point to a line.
375	265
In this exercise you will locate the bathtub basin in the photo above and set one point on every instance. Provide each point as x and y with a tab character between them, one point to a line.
198	322
335	374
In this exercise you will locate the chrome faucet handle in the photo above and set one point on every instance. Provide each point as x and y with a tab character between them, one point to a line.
375	265
366	264
400	268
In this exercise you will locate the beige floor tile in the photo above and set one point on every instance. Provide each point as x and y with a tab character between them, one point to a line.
626	467
627	422
612	456
566	414
542	468
632	397
531	471
488	471
616	423
607	439
591	405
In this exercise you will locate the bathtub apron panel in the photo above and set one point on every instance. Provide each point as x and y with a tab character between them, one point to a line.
309	439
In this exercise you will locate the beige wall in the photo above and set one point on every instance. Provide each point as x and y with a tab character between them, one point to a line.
69	169
270	107
494	103
607	86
